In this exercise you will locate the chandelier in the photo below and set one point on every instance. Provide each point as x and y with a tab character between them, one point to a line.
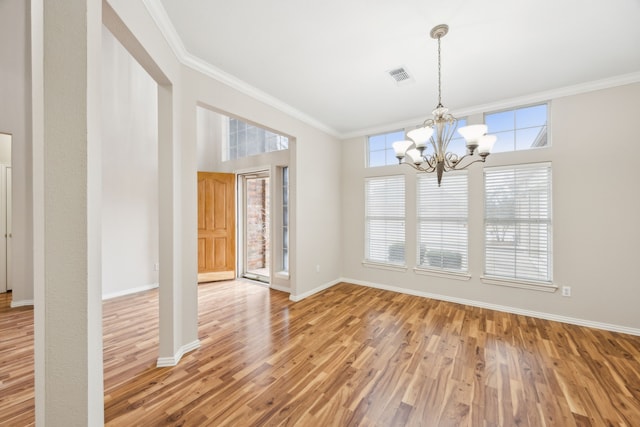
438	131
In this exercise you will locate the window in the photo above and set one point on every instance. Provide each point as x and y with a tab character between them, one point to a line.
518	129
384	212
381	150
517	223
442	222
285	219
246	140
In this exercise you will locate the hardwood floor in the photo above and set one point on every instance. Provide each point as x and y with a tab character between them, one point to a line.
348	356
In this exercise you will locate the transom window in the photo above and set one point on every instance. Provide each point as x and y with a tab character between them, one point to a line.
519	129
380	150
246	140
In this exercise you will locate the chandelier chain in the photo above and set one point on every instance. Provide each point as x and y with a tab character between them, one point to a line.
436	133
439	79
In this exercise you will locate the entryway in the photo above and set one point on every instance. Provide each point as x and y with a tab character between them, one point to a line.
256	227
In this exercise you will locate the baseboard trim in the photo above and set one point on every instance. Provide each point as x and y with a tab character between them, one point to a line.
280	288
21	303
296	298
164	362
129	291
503	308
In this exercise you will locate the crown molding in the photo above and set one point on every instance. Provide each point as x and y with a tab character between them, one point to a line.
160	17
533	98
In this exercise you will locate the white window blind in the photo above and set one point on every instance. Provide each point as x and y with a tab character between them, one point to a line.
442	222
285	219
518	222
385	220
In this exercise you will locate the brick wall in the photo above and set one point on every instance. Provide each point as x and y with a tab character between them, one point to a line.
257	223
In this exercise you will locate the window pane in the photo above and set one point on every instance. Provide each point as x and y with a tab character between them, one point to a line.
518	222
531	116
519	129
380	148
531	138
377	142
505	142
498	122
384	219
285	219
249	140
442	222
377	158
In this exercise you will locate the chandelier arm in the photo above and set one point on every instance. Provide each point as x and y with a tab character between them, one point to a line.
451	160
420	168
432	161
457	166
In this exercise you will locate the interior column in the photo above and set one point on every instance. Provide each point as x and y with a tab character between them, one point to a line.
68	325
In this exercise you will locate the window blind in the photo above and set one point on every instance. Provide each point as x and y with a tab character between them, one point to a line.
442	222
385	220
518	222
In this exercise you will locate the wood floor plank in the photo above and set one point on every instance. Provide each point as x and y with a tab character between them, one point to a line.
349	356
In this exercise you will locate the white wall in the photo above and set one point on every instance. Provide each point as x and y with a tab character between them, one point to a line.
209	134
129	172
15	119
314	166
210	145
595	210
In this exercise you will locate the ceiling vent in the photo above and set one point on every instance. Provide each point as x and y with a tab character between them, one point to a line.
401	76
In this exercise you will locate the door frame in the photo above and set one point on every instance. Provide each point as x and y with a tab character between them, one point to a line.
241	224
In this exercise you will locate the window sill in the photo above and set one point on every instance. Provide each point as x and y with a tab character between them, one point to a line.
282	275
442	273
522	284
390	267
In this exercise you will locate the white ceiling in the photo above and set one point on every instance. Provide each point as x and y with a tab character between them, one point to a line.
327	60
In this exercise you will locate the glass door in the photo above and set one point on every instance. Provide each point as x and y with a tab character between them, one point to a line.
255	233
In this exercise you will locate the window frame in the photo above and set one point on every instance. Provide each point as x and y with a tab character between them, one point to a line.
547	105
368	260
389	140
446	218
243	149
520	281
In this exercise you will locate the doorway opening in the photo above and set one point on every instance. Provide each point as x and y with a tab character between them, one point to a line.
5	212
256	227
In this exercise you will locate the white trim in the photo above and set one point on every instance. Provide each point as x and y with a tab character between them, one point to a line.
442	273
300	297
160	17
129	291
381	266
282	274
503	308
522	284
280	288
21	303
532	98
164	362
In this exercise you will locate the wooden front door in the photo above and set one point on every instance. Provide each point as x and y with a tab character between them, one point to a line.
216	226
